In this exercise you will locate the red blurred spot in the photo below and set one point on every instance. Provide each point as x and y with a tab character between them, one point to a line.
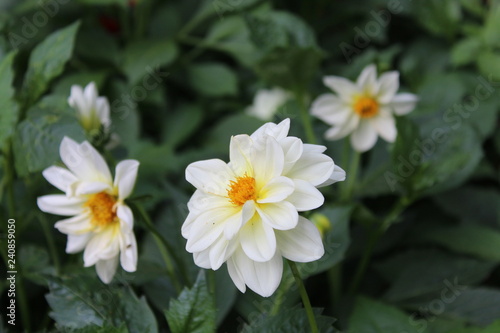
110	24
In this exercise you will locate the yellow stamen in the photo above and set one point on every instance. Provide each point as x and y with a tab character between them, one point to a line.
366	107
102	207
241	190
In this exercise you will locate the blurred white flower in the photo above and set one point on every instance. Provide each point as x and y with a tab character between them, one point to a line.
266	103
245	212
93	111
101	222
363	109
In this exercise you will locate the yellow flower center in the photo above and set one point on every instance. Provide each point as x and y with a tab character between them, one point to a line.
366	107
241	190
102	207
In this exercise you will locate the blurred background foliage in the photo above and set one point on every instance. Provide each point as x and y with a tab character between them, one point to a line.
179	75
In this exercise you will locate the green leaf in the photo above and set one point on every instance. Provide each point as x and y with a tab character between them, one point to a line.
193	311
135	312
47	61
37	138
336	241
146	56
36	262
291	67
374	317
489	64
473	240
466	51
493	328
73	305
122	3
289	53
448	159
181	124
213	79
477	306
289	321
432	267
478	205
440	17
492	26
403	171
10	109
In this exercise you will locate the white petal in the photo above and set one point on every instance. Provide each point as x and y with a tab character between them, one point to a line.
277	189
126	217
367	80
331	109
208	226
201	201
60	204
342	86
364	137
202	259
83	188
76	243
268	162
340	131
220	251
292	148
318	149
102	108
102	246
84	161
279	215
385	127
403	103
388	86
59	177
126	174
277	131
233	224
258	240
235	273
240	154
128	252
90	93
337	175
210	176
306	196
312	167
76	225
106	269
262	277
76	100
301	244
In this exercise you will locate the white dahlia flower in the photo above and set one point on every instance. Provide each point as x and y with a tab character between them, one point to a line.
364	109
266	103
100	222
92	110
245	212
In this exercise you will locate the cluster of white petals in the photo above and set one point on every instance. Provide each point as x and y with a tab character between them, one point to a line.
363	109
92	110
266	103
100	222
245	212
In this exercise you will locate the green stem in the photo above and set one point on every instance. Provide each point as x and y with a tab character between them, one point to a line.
163	246
306	118
9	176
351	176
335	281
50	242
305	298
23	304
402	203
